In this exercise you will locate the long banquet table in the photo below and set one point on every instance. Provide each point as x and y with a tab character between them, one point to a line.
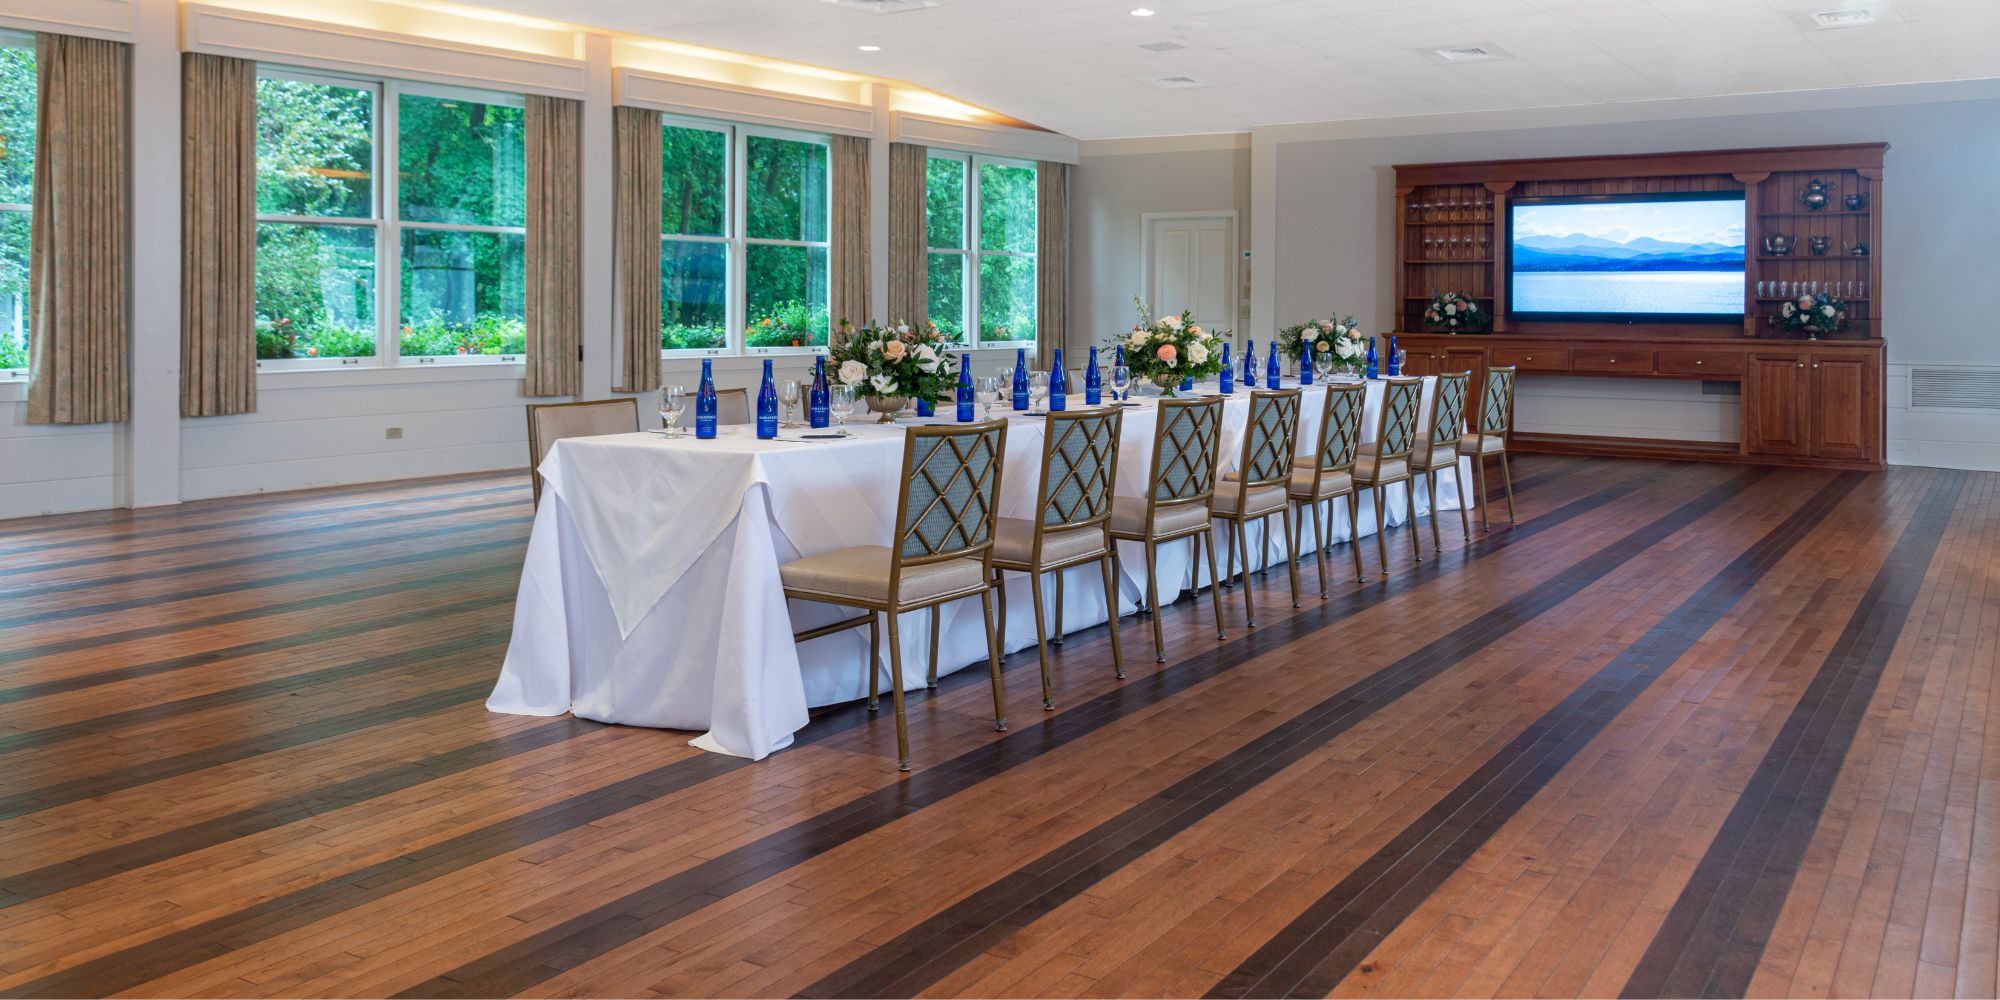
650	594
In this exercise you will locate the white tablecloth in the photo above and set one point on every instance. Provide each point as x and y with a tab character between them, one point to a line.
650	595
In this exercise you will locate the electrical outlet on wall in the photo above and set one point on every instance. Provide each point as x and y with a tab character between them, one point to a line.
393	433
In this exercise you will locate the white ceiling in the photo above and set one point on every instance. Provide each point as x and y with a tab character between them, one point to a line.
1076	66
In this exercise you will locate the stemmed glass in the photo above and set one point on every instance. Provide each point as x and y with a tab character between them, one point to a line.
842	406
1402	361
673	399
1038	392
1121	383
989	388
788	393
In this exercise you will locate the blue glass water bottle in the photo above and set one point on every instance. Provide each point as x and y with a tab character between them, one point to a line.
704	402
1058	385
1305	364
767	406
1395	366
1021	379
1373	371
965	388
1093	383
820	408
1274	377
1228	376
1250	364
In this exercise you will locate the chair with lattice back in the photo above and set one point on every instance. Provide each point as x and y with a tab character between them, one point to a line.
1261	487
1437	448
1072	526
1327	474
1178	490
1386	460
942	552
1496	418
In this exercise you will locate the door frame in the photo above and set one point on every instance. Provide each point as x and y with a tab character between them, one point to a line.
1146	221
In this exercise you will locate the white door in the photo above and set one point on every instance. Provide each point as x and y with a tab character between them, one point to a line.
1192	266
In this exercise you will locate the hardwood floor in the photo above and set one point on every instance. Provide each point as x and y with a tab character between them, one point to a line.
1685	730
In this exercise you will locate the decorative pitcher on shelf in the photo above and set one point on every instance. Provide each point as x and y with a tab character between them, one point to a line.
1857	201
1858	249
1780	245
1817	195
1817	244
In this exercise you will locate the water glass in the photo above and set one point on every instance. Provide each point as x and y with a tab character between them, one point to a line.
673	399
989	388
1121	383
788	394
841	405
1402	362
1038	391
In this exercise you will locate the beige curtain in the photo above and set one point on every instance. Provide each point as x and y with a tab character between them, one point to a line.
848	259
554	259
78	251
909	258
637	134
1051	260
218	235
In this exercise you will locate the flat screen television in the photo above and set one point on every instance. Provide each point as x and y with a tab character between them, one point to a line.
1635	258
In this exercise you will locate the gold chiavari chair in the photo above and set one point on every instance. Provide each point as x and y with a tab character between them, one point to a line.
1177	496
1437	450
1386	460
1261	486
732	406
551	422
1072	526
1496	418
943	552
1328	474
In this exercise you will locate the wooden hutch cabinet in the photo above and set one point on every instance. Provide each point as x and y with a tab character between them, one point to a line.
1804	402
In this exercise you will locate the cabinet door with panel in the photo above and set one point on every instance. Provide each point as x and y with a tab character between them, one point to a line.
1775	417
1843	407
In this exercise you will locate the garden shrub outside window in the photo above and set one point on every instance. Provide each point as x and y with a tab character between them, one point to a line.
744	216
17	178
343	246
980	223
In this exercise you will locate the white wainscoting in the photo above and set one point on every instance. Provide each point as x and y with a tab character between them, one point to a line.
51	469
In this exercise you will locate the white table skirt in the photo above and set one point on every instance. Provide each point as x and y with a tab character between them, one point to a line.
650	594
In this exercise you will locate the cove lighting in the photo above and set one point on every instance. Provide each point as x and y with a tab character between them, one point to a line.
1143	12
869	48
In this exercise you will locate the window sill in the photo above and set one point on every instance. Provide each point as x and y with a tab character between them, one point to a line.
315	378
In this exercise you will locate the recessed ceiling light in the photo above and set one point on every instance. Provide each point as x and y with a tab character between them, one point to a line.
1850	18
1143	12
869	48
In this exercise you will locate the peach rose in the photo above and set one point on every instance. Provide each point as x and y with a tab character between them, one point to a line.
893	350
1167	353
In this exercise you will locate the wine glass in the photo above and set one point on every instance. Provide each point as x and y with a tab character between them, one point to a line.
788	394
1121	383
673	399
842	406
989	388
1402	361
1038	391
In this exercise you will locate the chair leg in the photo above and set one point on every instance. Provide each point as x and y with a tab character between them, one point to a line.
1319	548
1381	527
1431	480
1354	529
1292	557
1041	639
1214	581
874	661
1458	483
1000	587
1228	579
896	692
1056	639
1410	504
1508	478
1111	616
1153	600
993	660
1479	475
930	677
1243	542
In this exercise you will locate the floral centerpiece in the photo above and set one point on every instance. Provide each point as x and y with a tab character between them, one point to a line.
889	365
1335	343
1170	349
1814	315
1455	311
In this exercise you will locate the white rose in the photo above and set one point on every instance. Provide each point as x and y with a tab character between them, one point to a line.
903	329
1197	353
1826	310
1137	339
1788	310
1451	310
883	384
927	359
852	372
1346	347
1171	322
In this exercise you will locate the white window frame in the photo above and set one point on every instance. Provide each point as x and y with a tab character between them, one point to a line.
11	40
736	237
969	275
968	317
386	219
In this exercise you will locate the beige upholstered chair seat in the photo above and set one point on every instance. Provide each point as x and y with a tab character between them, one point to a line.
1482	444
1014	543
1366	468
1333	484
862	573
1268	498
1443	456
1128	517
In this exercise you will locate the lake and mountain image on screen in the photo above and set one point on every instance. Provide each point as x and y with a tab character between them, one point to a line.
1677	258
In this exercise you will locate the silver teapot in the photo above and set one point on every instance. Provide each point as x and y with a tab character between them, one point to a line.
1816	195
1780	245
1858	249
1817	244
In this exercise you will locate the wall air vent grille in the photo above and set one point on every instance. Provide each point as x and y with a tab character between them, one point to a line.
1958	388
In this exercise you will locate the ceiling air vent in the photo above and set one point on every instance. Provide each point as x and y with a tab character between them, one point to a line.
883	6
1163	46
1177	82
1844	18
1468	53
1955	388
